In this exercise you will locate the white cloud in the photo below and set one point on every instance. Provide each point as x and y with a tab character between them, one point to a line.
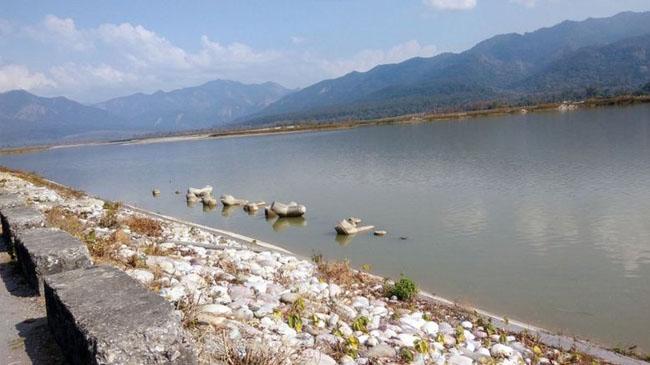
369	58
60	31
118	59
14	77
451	4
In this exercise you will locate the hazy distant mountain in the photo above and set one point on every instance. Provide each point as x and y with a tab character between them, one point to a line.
29	119
209	105
549	63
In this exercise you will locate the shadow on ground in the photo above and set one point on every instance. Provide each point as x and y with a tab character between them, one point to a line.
38	342
34	338
11	275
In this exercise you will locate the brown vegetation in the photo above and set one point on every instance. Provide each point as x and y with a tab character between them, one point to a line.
249	353
339	272
144	226
40	181
109	219
61	218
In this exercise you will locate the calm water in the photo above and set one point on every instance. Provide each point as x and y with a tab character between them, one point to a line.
544	217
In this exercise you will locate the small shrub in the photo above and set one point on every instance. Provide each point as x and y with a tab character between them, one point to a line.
230	353
421	346
109	219
144	226
338	272
65	220
406	354
136	262
360	324
352	347
294	321
317	258
405	289
154	250
100	248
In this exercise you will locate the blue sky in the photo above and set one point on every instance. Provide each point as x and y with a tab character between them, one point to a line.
92	50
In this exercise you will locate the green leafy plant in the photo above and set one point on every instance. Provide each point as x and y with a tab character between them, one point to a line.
352	347
360	324
421	346
406	354
460	334
298	306
405	289
294	321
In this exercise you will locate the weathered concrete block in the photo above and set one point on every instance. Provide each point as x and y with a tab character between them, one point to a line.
46	251
17	218
100	315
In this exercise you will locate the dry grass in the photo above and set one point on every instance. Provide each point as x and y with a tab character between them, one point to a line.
339	272
247	353
102	249
144	226
40	181
156	283
190	311
109	219
154	250
62	218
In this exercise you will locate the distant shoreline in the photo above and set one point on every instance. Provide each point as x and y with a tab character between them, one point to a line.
306	127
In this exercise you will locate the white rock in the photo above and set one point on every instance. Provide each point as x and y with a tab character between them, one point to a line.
372	341
345	311
345	329
215	309
499	350
467	325
446	328
360	302
411	324
460	360
143	276
315	357
381	351
335	291
468	335
407	339
484	352
173	294
379	311
430	328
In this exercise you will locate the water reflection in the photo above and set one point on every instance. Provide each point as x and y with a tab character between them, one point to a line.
625	239
343	239
228	210
208	208
281	224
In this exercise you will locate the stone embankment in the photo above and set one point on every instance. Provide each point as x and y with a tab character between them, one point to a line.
165	291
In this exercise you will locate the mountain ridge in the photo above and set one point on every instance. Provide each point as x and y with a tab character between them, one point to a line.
488	71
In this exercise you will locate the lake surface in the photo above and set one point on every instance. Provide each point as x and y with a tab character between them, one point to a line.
541	217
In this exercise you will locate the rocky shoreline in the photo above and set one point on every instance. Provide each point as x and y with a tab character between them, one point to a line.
246	303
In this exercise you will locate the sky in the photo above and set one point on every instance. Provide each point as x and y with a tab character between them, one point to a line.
94	50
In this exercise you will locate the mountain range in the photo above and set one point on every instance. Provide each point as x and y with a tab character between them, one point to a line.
29	119
608	54
572	60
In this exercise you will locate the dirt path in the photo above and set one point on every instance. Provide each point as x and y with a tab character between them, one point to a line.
24	336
